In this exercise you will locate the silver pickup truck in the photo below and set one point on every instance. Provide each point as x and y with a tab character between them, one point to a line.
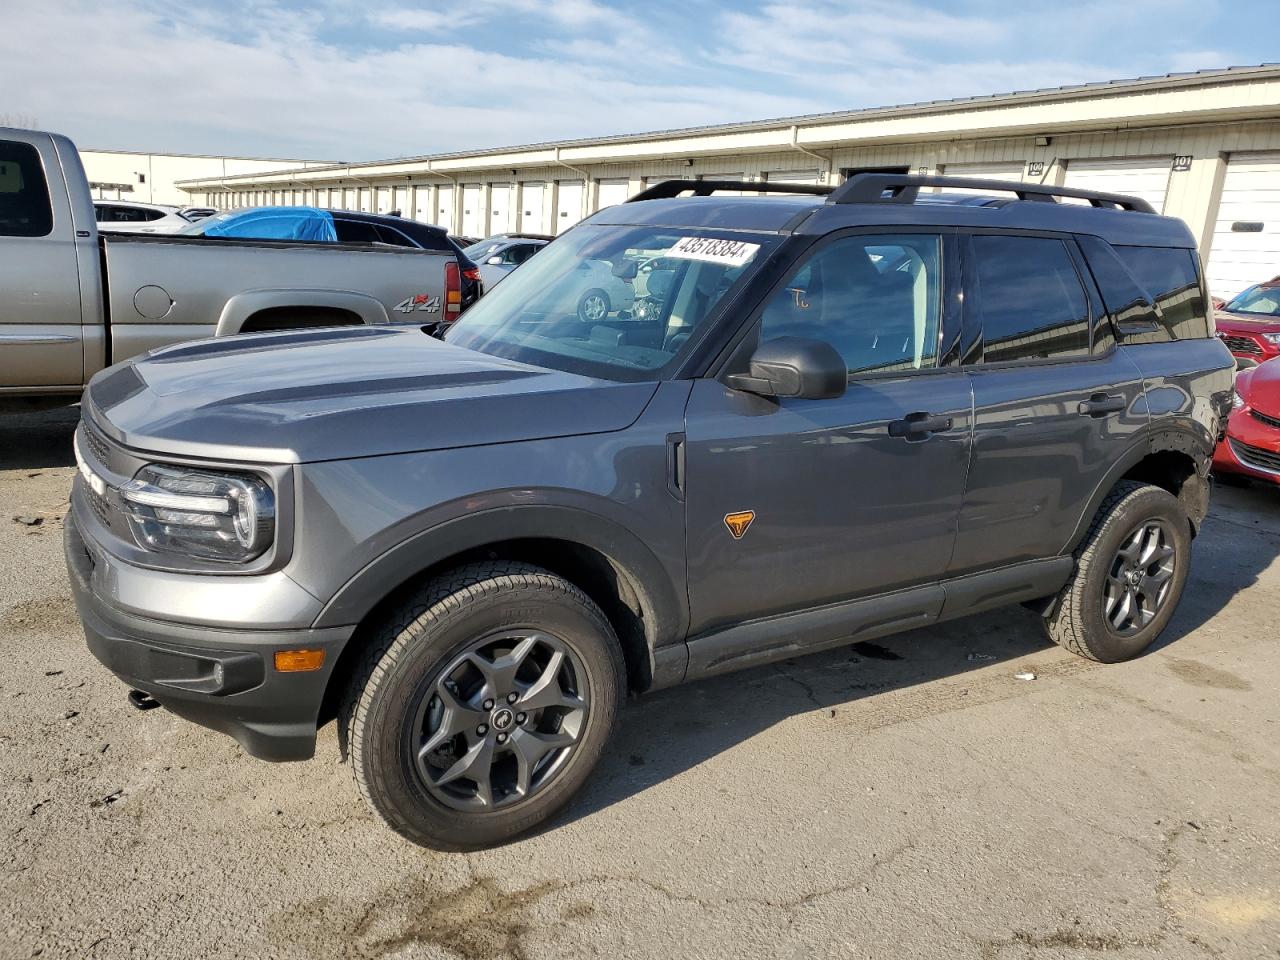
73	300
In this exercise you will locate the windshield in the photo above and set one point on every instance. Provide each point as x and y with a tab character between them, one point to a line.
1263	299
479	252
614	302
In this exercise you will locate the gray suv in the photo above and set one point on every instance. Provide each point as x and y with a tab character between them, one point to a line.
843	413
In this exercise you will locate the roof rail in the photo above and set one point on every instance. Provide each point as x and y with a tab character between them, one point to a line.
903	188
702	188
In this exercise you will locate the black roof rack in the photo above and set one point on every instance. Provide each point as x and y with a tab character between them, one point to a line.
702	188
903	188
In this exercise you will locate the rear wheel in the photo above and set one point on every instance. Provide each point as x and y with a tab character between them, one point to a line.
483	705
1130	572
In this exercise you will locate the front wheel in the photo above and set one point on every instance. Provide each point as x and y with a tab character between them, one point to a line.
1130	572
483	706
594	306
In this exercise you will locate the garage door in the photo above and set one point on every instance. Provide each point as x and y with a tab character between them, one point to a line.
445	208
1246	236
473	210
792	176
611	193
383	200
569	206
533	202
1147	178
981	171
499	208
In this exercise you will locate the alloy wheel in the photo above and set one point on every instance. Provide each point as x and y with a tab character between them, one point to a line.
500	721
1140	578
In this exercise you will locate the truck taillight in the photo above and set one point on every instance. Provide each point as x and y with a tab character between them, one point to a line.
472	274
452	292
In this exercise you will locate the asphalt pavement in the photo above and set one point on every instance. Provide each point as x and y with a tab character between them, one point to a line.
908	798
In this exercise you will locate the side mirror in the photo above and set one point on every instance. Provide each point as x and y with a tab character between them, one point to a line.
625	270
494	261
794	367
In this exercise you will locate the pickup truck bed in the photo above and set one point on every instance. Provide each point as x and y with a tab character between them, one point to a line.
73	300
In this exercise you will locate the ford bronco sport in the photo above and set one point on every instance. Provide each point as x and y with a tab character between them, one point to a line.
842	413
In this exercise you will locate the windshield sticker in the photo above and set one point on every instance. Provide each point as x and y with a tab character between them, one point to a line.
730	253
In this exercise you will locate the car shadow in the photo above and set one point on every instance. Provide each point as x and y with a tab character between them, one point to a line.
38	440
862	687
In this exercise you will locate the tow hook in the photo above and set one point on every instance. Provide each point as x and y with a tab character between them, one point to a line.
142	700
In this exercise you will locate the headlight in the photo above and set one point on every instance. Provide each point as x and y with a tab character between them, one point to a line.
200	513
1272	337
1237	401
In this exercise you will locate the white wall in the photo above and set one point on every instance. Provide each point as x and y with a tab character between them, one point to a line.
152	175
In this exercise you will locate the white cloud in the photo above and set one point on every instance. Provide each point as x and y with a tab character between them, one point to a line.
342	81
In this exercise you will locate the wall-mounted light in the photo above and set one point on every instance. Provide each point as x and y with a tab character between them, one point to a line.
1043	141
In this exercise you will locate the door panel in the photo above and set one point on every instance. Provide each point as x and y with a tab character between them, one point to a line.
40	308
842	508
1037	459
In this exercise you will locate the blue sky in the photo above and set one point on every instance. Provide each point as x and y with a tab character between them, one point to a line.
336	79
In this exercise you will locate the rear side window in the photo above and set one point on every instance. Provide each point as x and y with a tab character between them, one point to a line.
24	194
356	231
1030	299
1171	279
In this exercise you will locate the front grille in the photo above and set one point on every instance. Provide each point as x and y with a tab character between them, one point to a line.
99	505
1269	421
1241	344
96	443
1256	457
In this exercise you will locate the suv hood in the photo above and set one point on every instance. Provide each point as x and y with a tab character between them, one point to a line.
294	397
1246	321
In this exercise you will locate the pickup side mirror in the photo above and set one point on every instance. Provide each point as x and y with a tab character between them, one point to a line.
794	367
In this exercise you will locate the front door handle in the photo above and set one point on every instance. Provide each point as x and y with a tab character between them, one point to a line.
917	426
1100	405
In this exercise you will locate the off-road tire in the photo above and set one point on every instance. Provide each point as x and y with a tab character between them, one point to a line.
1076	621
413	645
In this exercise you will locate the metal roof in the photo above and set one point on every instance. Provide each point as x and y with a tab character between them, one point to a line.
1071	91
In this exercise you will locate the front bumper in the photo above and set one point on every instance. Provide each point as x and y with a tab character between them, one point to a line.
220	678
1250	449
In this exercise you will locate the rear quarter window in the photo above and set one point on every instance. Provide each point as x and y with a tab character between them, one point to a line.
1171	278
24	192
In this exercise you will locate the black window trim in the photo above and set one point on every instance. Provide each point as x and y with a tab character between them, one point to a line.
974	339
734	355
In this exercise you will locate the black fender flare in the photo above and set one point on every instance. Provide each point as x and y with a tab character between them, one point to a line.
662	601
1159	438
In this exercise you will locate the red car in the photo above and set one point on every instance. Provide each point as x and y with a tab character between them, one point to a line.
1252	444
1250	323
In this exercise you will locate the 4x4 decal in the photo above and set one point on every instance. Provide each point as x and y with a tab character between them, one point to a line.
421	302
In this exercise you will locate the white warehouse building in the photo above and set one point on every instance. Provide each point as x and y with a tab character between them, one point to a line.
153	177
1202	146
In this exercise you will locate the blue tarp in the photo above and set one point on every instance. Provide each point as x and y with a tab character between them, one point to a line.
273	223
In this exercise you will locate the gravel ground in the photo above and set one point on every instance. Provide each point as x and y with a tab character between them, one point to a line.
908	798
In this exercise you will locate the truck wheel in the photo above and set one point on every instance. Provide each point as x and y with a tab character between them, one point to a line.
483	705
1131	568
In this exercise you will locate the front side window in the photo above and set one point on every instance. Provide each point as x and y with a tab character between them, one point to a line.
876	299
1030	299
24	194
1169	276
617	302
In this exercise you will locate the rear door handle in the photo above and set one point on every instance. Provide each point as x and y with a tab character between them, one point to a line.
918	425
1100	405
